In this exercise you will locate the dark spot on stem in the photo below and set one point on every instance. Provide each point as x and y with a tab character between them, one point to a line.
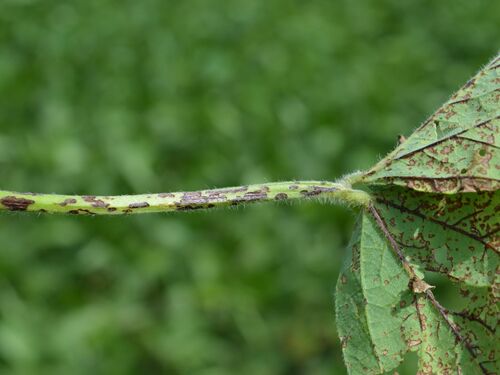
255	195
16	204
67	201
139	205
98	203
81	211
316	190
310	193
189	207
166	195
281	196
194	198
240	189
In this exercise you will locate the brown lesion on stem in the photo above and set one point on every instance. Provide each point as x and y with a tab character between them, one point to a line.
419	286
13	203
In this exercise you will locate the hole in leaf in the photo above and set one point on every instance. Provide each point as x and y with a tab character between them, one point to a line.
447	292
409	364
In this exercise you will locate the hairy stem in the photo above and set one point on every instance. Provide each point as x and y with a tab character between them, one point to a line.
181	201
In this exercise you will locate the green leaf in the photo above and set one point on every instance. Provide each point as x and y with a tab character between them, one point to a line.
456	149
434	213
372	303
380	318
455	235
441	353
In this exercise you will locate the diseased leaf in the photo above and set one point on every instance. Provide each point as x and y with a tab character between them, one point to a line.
457	148
440	352
456	235
372	303
380	319
435	210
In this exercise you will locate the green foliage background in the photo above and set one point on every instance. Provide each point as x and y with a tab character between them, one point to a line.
110	97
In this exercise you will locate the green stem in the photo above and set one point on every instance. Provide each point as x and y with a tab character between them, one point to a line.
181	201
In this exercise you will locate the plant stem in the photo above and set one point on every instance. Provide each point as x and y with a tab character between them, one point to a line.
181	201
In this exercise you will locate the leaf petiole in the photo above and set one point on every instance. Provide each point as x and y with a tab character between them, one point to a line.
340	192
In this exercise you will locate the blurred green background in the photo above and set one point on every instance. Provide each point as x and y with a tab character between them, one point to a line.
111	97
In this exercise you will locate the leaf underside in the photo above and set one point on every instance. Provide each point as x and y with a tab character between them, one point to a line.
380	319
438	201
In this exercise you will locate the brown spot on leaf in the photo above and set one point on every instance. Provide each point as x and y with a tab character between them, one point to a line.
344	340
419	286
469	83
447	149
413	343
